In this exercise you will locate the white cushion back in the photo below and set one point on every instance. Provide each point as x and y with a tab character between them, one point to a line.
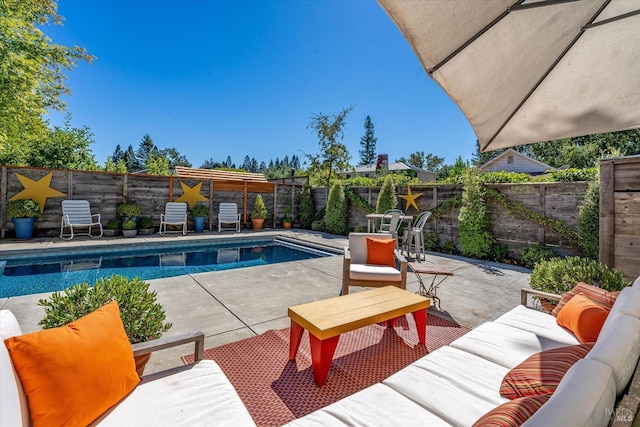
576	404
628	302
358	245
636	284
14	409
618	346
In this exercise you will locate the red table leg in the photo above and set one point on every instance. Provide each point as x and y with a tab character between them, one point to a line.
321	356
420	317
294	339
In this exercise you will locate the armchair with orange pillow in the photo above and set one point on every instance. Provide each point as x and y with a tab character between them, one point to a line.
372	260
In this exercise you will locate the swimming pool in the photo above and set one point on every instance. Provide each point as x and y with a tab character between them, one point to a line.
24	276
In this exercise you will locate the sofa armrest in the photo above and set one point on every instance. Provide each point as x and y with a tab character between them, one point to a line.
524	293
147	347
403	268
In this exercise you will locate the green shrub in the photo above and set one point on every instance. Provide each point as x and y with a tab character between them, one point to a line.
305	210
360	229
319	215
431	241
387	198
335	218
318	225
143	318
259	209
505	177
128	224
499	252
130	209
475	235
200	210
531	255
113	224
560	275
589	222
449	247
574	174
145	223
23	208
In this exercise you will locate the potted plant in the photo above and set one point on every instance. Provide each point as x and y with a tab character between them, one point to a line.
145	226
199	214
259	213
286	221
129	210
129	228
112	228
23	214
143	318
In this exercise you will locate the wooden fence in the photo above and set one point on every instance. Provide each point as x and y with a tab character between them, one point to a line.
620	214
105	191
556	200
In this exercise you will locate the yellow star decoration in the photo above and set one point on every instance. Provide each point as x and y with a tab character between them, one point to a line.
39	190
411	199
191	194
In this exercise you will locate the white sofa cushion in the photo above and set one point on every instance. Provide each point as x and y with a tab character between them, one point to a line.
539	323
585	397
14	407
377	405
628	302
374	272
618	346
192	395
504	344
457	386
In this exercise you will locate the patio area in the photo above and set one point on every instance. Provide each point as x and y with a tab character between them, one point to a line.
231	305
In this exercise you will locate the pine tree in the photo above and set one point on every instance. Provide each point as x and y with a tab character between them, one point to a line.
387	198
368	144
145	150
130	160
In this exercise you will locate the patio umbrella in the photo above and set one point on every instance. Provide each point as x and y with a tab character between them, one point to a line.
530	70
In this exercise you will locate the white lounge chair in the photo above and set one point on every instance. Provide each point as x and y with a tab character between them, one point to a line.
77	214
175	213
228	214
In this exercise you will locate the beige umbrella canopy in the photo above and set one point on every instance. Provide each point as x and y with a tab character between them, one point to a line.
530	70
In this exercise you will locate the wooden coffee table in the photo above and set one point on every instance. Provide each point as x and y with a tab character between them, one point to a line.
327	319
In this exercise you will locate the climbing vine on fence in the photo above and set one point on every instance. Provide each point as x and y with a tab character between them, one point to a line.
358	201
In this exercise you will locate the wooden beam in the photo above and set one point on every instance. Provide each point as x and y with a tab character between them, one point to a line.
607	214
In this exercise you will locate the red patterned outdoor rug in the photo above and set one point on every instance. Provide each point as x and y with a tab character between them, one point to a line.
276	391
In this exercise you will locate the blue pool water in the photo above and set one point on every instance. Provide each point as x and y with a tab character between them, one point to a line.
57	272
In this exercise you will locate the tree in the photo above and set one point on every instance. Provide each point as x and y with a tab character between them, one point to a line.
480	158
32	75
130	160
210	164
175	158
335	217
306	211
368	144
117	155
157	165
333	155
63	147
387	198
111	166
146	149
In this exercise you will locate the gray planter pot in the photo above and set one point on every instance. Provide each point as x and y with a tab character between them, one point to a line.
129	233
110	233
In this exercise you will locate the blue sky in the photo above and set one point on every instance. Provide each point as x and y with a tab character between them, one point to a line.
231	78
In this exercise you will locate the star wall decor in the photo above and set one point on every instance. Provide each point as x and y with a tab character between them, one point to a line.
191	195
410	199
39	190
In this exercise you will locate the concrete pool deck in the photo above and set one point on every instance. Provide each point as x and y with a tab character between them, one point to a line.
231	305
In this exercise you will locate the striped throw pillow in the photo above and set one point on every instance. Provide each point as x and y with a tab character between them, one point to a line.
513	413
598	295
541	373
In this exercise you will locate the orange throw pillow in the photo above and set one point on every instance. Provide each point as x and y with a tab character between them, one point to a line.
583	317
74	373
381	252
598	295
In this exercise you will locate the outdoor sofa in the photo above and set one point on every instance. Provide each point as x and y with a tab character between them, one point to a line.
460	383
195	394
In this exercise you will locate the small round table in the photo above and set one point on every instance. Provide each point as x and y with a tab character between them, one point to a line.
436	270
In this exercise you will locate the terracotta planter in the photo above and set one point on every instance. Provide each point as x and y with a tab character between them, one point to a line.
257	224
286	225
141	362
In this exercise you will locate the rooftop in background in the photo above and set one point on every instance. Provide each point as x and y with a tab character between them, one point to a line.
514	161
369	171
217	174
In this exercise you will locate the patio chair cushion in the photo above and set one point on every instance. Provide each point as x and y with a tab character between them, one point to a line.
619	348
381	252
598	295
583	317
513	413
86	365
541	373
381	273
358	245
628	302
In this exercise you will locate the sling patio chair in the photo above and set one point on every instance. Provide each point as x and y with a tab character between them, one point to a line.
371	263
228	214
175	213
77	214
414	235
